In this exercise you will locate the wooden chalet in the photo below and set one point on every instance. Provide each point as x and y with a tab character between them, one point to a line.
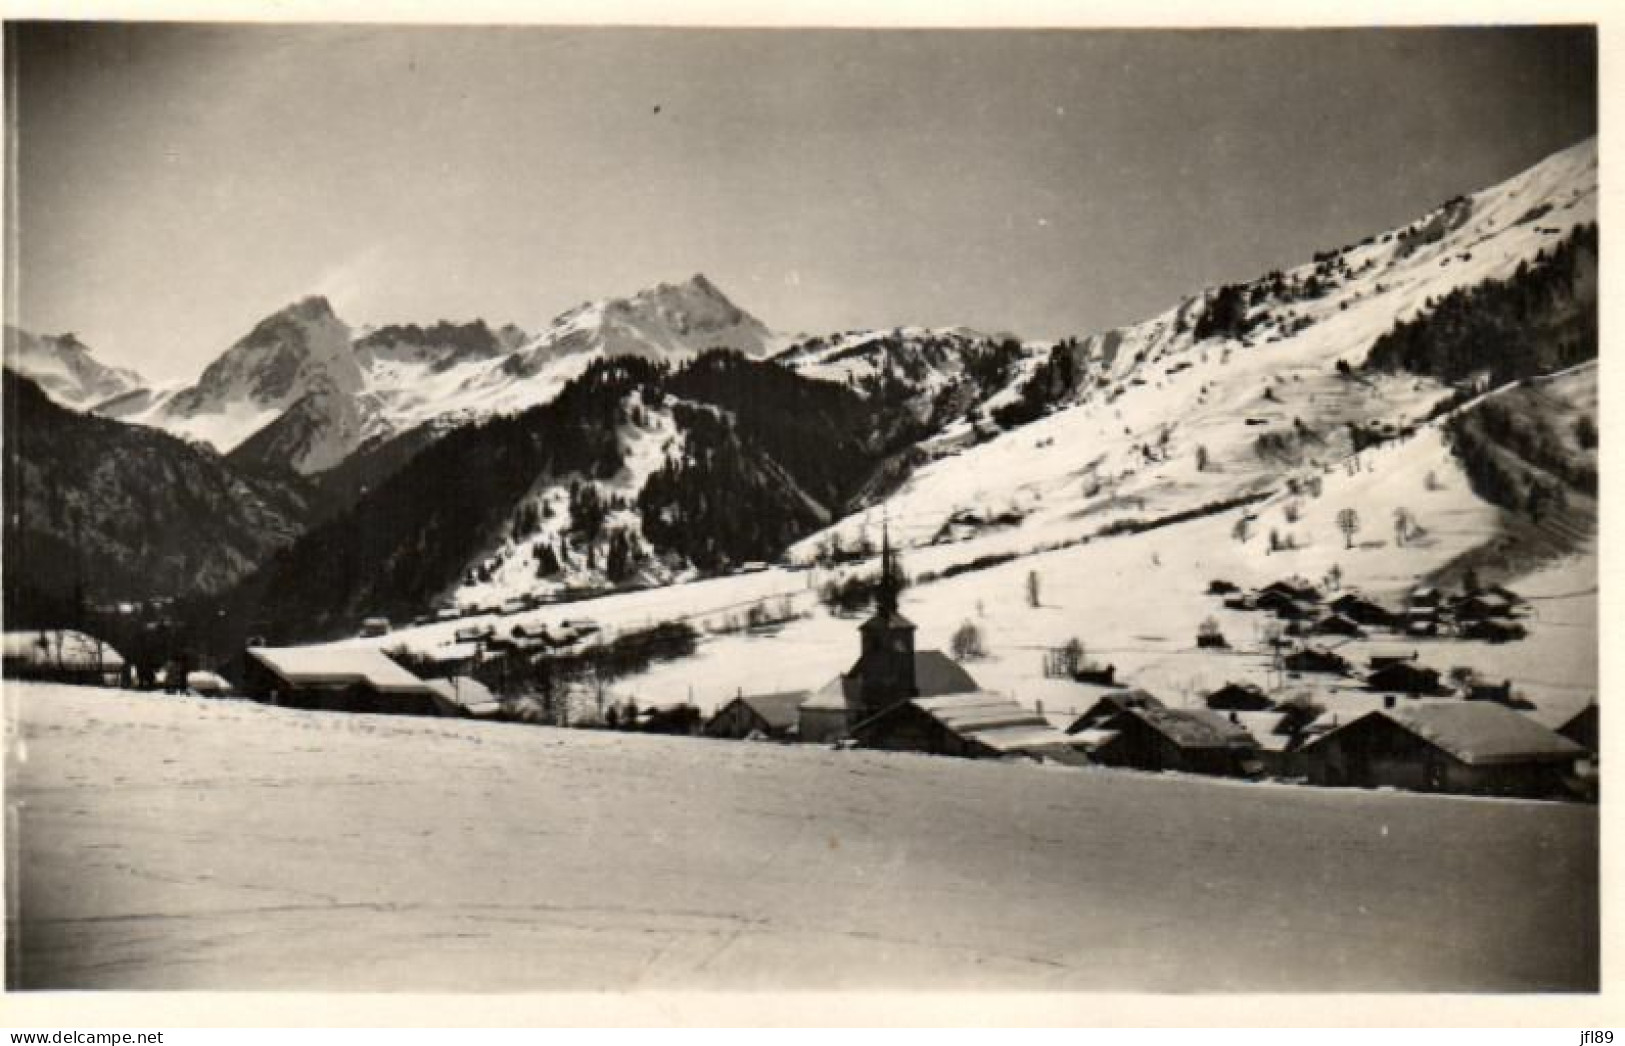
1239	697
1295	588
1196	741
336	679
1406	677
1310	658
1363	610
1494	630
976	725
768	716
1467	747
1089	729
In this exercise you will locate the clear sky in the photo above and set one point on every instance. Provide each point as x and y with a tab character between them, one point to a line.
177	183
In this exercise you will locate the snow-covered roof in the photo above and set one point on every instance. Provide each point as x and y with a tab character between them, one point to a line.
992	721
1479	733
468	693
779	711
339	666
1194	727
61	648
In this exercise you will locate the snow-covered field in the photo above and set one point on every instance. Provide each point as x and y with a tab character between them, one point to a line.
164	842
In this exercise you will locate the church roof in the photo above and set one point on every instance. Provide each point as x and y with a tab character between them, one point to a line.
935	674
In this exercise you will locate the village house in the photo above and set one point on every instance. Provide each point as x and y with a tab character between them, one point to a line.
1363	610
1195	741
1467	747
1310	658
975	725
62	655
1239	697
771	716
1405	677
1089	730
1501	693
1295	588
336	679
1494	630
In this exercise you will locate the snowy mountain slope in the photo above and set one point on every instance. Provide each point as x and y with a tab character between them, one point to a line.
1195	409
67	370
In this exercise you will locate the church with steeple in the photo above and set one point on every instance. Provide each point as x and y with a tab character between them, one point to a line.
888	671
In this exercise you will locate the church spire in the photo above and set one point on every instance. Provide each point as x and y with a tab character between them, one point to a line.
890	583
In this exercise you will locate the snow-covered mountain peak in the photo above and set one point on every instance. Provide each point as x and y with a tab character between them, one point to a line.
66	368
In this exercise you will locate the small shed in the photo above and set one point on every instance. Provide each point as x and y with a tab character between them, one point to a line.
1467	747
1196	741
336	679
775	716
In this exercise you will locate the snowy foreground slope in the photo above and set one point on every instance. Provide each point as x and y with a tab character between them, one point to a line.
164	842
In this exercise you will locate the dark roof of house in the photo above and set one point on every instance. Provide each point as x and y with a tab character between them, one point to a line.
780	711
1195	727
1479	733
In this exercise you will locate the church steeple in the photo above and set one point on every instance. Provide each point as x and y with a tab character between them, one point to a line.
890	584
886	667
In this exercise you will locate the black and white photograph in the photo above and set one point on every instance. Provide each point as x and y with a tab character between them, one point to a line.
537	508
